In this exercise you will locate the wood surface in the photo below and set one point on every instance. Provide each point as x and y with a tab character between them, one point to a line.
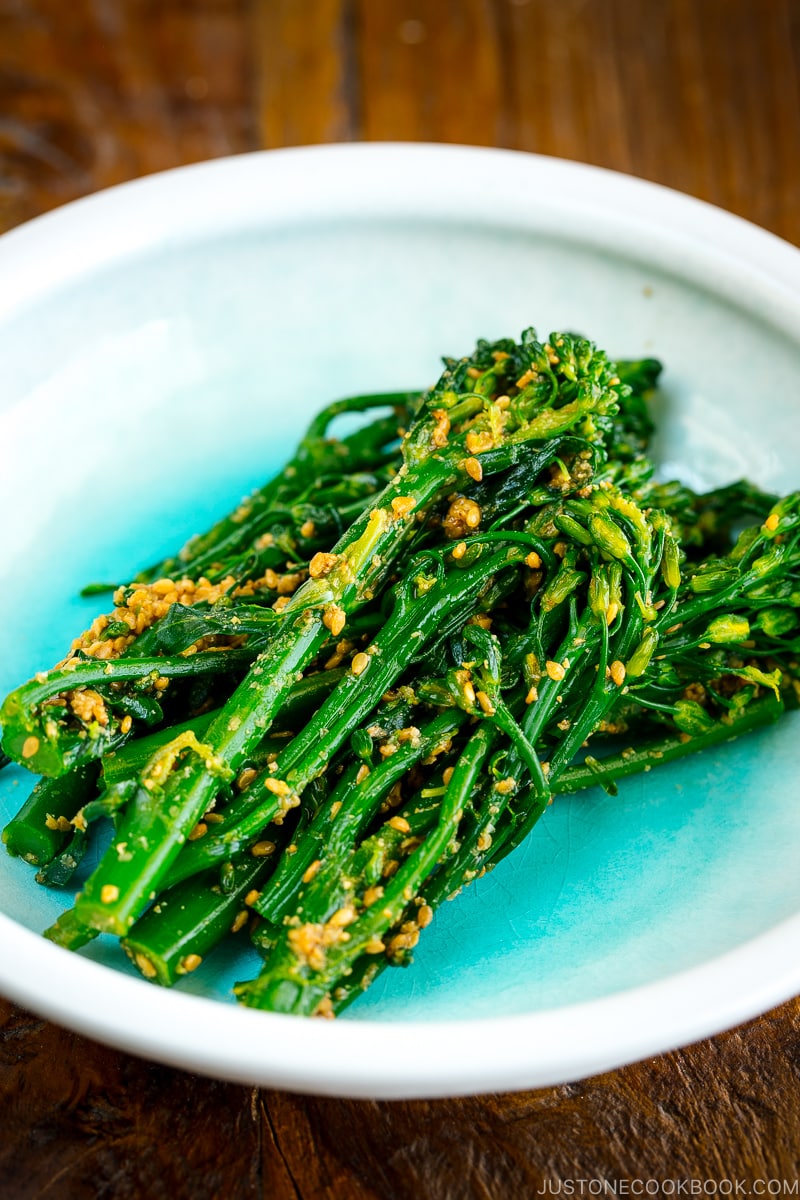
702	95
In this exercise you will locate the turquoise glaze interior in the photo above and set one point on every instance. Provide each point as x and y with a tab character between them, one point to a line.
140	405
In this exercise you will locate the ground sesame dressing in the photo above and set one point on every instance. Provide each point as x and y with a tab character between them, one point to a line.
481	591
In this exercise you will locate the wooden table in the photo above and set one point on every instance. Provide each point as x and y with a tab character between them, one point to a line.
703	95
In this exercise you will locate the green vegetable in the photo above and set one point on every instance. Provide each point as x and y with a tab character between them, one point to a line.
362	689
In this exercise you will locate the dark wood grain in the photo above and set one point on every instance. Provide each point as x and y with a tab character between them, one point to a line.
702	95
81	1121
92	94
431	72
302	71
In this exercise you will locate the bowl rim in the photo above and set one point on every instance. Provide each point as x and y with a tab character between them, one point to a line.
407	181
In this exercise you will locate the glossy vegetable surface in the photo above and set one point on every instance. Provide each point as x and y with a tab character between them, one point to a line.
363	688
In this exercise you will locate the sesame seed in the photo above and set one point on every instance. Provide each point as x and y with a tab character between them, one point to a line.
109	892
334	619
403	941
325	1007
360	663
441	429
245	778
343	916
321	564
278	787
311	870
478	440
262	849
617	671
190	962
402	505
461	516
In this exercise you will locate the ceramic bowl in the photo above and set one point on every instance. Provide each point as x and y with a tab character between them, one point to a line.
161	346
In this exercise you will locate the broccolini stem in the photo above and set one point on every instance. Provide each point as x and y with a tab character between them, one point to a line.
307	755
173	937
302	985
347	811
41	827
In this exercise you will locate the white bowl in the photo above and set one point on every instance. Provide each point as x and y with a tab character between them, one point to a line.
160	346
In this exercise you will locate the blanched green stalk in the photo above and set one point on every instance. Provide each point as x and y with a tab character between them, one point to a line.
563	672
117	891
27	725
348	810
300	980
69	932
193	916
132	758
41	827
27	730
190	920
506	460
636	759
446	603
314	457
471	861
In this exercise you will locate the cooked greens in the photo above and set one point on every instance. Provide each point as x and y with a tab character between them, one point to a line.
362	689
